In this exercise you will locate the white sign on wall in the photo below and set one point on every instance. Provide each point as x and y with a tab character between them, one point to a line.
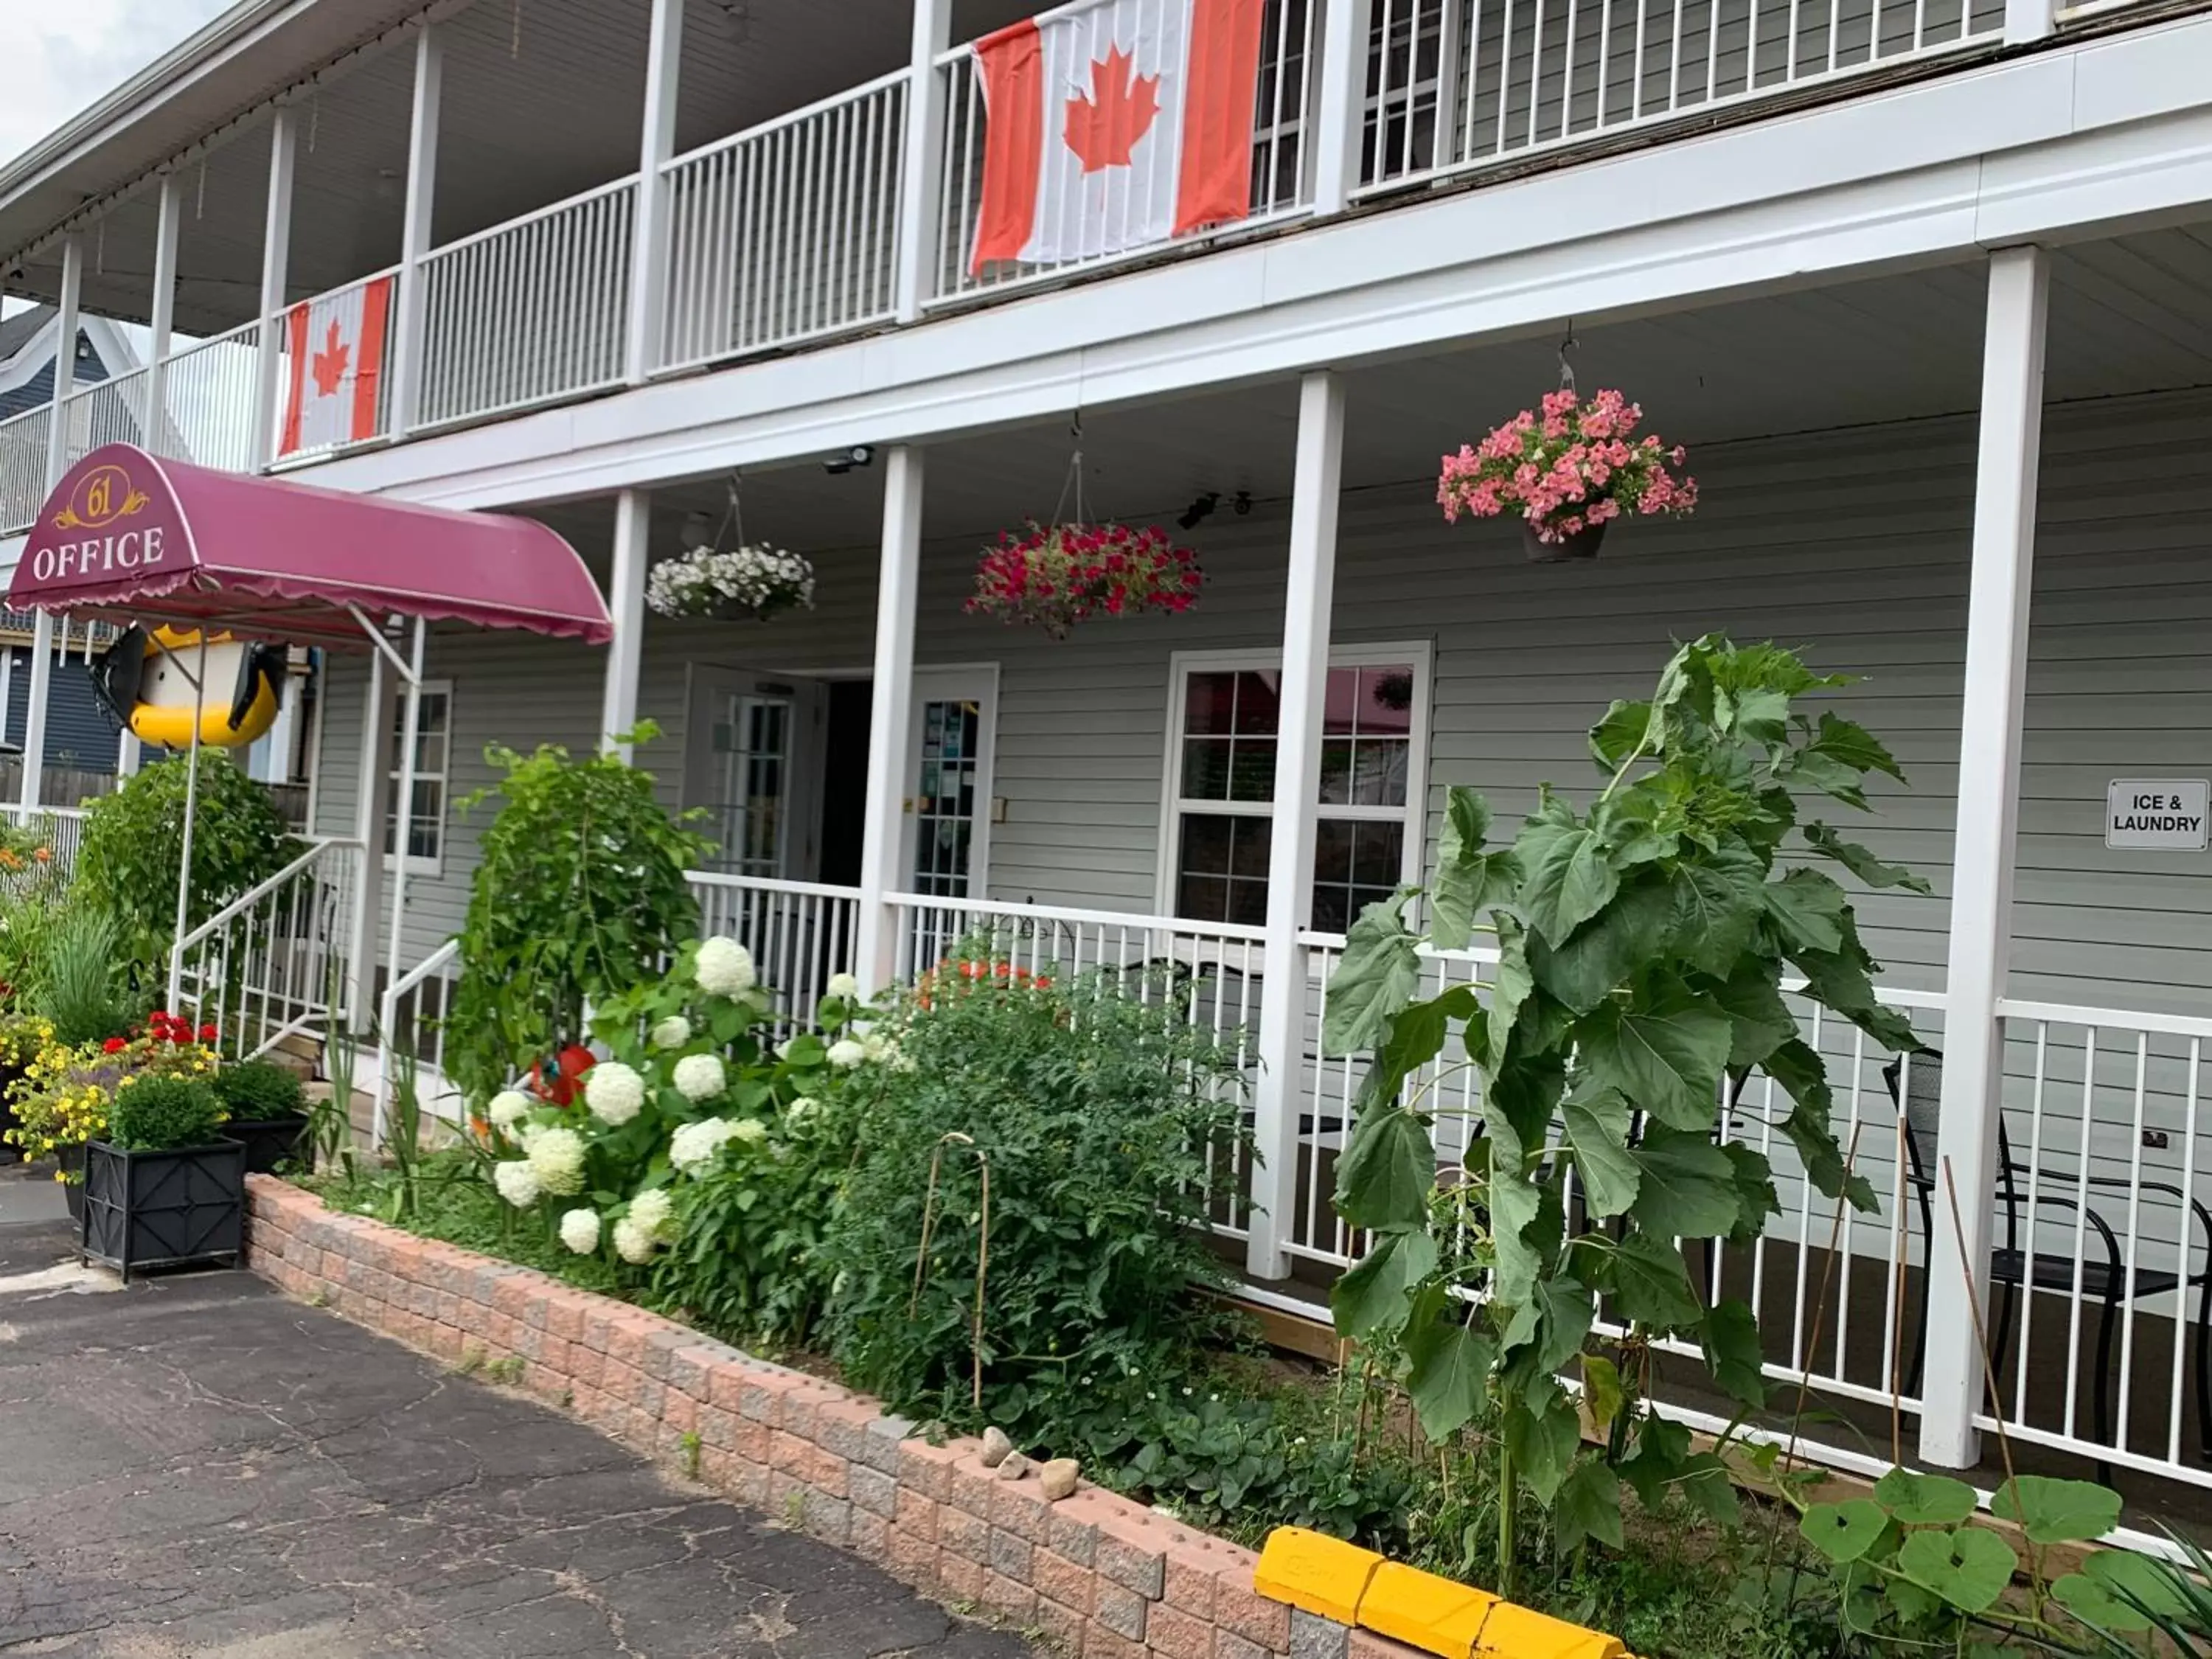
2162	815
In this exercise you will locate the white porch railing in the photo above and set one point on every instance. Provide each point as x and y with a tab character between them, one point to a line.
1458	84
410	1041
270	965
528	311
111	411
26	444
60	828
208	392
1283	106
801	935
382	343
787	231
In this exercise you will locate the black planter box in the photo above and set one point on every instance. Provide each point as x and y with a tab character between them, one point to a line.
271	1142
164	1209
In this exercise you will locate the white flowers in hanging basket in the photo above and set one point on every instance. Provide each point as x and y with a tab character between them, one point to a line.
746	581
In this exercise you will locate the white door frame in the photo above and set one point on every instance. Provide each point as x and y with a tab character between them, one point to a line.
940	682
800	852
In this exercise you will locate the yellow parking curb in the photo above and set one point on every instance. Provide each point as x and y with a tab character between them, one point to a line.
1312	1571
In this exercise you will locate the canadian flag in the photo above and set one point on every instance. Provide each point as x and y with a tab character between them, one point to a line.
1114	124
337	349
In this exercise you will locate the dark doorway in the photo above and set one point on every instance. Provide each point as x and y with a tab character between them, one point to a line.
845	779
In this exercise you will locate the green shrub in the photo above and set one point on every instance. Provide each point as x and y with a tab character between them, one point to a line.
1093	1103
80	989
133	839
578	895
161	1113
255	1091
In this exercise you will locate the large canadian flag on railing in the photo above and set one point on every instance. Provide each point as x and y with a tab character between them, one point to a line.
1114	124
335	345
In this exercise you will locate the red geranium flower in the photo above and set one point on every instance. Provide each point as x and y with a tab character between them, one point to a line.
114	1046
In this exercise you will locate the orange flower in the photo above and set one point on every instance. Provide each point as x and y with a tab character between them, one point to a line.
44	855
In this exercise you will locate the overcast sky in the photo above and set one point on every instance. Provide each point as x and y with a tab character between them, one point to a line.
65	54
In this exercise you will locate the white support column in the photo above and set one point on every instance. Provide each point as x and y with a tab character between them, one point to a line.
156	426
884	832
58	448
2028	19
649	294
416	224
1982	854
626	605
276	263
1343	107
921	172
1317	486
372	792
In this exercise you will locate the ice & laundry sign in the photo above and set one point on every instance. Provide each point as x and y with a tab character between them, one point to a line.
2157	814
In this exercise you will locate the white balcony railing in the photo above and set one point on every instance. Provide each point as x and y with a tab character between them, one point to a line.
787	231
1458	84
367	331
111	411
531	311
26	442
208	392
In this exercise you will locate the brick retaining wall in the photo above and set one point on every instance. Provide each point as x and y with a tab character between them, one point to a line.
1099	1575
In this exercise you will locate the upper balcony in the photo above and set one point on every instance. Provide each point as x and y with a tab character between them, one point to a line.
379	190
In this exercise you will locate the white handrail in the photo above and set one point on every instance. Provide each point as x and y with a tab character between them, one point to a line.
769	884
792	118
613	186
255	895
1129	919
431	967
2114	1020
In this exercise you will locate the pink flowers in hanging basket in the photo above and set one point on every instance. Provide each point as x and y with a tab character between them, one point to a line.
1572	469
1059	575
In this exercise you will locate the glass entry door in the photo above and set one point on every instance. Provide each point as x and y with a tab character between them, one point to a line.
955	712
753	762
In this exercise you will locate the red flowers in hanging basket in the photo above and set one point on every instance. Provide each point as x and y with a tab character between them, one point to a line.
1567	472
1058	576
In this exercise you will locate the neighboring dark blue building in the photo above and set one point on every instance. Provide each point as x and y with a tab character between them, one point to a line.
27	357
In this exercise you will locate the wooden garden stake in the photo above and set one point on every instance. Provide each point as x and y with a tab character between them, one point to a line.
982	1249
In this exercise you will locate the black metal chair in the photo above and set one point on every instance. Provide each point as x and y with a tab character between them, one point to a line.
2012	1268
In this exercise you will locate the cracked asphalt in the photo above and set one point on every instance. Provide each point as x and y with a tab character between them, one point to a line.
197	1468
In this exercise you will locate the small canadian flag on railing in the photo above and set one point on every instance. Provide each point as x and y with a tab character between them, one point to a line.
336	348
1116	124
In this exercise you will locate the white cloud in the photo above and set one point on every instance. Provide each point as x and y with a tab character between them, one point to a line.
63	58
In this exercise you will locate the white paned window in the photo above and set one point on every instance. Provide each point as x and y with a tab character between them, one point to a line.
1221	784
426	818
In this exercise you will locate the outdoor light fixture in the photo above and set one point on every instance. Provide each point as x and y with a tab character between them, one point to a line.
1199	510
846	459
1242	505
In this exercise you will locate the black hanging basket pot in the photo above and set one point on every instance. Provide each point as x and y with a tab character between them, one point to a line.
272	1143
1568	549
170	1209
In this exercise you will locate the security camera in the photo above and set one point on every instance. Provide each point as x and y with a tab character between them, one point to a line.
846	459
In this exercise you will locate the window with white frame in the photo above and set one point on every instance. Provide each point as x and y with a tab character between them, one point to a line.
426	817
1222	784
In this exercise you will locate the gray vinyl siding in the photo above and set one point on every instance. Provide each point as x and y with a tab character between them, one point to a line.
1853	544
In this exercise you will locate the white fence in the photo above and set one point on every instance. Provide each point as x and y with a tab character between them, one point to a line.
1283	106
208	394
528	311
801	935
787	231
59	830
111	411
1465	83
26	442
270	965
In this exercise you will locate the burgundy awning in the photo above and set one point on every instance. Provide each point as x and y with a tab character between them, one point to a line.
126	537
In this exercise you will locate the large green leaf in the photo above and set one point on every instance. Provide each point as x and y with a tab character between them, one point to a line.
1717	903
1549	1329
1844	1531
1543	1431
1603	1393
1924	1500
1413	1036
1649	1285
1854	745
1375	979
2054	1511
1618	735
1511	984
1597	1135
1807	908
1372	1298
1730	1341
1969	1567
1862	863
2098	1607
2121	1592
1385	1177
1568	875
1686	1186
1449	1371
1803	1076
1469	879
1759	1021
1809	768
1603	952
1666	1054
1588	1506
1842	980
1755	1189
1662	1449
1526	1224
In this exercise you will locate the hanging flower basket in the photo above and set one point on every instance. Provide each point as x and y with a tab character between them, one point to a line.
1566	474
1058	576
745	582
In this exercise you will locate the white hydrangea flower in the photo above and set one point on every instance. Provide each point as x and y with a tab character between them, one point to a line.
672	1033
693	1146
800	1108
579	1230
846	1053
750	1130
877	1047
517	1182
556	1158
654	1210
700	1077
633	1244
844	985
614	1092
724	968
508	1107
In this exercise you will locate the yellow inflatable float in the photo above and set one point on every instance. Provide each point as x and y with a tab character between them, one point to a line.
145	679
